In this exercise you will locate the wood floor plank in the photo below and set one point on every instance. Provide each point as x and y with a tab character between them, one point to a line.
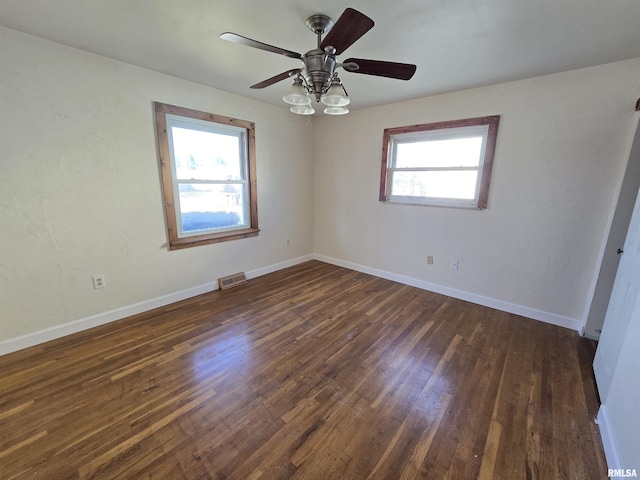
312	372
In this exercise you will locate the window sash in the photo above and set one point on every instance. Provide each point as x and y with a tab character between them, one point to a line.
174	121
180	213
229	131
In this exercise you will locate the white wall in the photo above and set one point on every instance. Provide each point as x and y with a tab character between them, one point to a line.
559	161
80	189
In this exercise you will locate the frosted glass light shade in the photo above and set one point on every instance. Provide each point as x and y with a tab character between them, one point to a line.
335	96
336	110
297	95
303	109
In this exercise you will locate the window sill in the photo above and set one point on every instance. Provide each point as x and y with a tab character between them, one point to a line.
462	206
187	242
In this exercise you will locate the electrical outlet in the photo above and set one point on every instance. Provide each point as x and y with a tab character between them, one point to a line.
429	259
287	242
453	264
99	281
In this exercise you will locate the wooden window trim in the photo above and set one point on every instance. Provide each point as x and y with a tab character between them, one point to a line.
492	134
176	242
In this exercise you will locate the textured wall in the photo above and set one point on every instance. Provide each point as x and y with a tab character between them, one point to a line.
80	190
558	165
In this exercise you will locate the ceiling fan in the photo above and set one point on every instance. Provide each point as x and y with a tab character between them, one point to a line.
318	76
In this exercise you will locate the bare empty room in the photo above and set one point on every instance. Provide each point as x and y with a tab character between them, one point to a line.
297	240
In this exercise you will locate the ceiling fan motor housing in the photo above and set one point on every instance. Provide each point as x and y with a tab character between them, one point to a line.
319	68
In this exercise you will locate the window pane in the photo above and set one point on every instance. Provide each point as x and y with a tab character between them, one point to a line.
438	184
212	206
456	152
201	155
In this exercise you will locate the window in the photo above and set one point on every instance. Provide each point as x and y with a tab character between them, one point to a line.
208	175
443	164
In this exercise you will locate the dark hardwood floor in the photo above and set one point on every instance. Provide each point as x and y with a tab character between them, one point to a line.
312	372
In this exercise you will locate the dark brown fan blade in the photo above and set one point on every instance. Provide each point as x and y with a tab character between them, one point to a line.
277	78
350	27
402	71
235	38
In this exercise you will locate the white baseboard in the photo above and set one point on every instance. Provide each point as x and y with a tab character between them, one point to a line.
36	338
278	266
59	331
608	440
521	310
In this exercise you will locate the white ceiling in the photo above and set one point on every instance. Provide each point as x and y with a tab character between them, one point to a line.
456	44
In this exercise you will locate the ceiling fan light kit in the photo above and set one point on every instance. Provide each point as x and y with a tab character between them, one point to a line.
302	109
318	77
338	110
297	94
335	96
